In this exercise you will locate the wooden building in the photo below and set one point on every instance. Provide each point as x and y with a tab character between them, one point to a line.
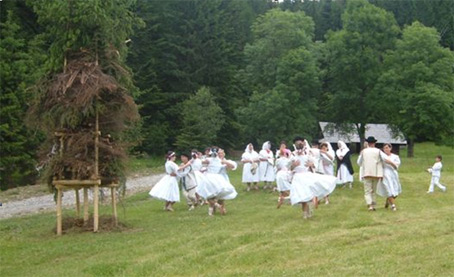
381	132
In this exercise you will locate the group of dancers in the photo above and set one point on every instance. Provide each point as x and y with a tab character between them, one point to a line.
304	176
203	178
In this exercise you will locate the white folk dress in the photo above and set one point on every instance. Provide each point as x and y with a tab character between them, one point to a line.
307	185
283	175
167	188
390	184
248	177
215	185
266	168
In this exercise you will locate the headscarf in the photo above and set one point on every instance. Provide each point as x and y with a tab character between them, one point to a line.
247	148
330	149
266	145
343	149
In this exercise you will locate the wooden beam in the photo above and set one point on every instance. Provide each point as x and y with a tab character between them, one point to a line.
77	203
86	206
95	208
77	182
59	211
114	205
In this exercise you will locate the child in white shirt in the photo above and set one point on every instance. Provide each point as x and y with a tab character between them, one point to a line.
435	170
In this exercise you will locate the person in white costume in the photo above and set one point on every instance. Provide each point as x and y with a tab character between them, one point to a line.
371	160
389	186
166	189
197	169
227	165
250	160
188	182
215	187
266	165
307	185
282	148
283	175
344	165
326	162
435	170
361	177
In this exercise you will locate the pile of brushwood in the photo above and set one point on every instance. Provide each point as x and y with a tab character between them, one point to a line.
66	107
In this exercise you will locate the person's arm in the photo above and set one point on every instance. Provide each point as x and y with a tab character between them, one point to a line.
360	159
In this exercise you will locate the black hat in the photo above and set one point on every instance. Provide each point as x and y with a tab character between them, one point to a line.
297	138
371	139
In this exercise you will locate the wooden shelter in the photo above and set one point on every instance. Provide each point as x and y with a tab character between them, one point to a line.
382	132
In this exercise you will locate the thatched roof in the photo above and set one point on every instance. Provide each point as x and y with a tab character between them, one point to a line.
381	132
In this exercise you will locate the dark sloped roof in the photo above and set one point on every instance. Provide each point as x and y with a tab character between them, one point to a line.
381	132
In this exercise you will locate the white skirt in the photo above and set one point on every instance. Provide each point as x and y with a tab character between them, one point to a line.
343	175
283	180
390	184
248	177
214	185
301	188
266	172
166	189
322	185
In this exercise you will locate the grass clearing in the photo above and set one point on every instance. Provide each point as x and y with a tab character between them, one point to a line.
254	238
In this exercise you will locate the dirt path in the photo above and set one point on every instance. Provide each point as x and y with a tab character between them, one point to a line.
38	204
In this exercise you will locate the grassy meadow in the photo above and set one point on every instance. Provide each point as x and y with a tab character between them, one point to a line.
254	238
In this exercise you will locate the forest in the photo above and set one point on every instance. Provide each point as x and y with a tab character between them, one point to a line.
229	72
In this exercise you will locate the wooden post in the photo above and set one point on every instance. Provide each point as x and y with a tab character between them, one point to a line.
95	208
114	205
85	206
59	215
77	204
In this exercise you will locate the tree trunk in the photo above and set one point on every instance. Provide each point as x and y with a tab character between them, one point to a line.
410	145
361	128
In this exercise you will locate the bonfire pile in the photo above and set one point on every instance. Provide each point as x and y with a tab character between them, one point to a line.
68	108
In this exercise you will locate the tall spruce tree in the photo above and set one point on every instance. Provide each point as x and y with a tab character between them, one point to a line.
18	70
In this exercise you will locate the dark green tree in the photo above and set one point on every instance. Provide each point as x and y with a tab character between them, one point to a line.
283	76
18	70
418	86
354	63
202	120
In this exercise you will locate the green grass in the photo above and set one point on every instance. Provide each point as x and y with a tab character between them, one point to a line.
254	238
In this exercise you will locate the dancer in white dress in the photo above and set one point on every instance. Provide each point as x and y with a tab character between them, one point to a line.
250	160
167	188
307	185
227	165
389	186
266	165
215	187
283	176
344	165
326	162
